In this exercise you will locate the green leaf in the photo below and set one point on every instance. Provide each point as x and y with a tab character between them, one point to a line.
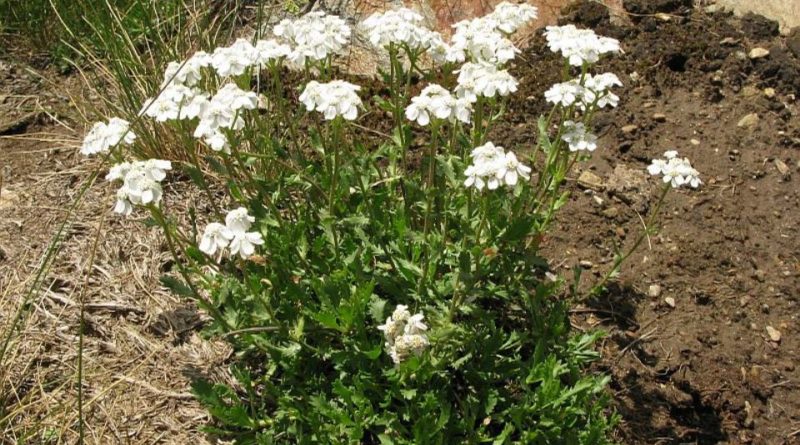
177	286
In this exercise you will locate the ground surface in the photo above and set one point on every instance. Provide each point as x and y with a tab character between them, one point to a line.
688	348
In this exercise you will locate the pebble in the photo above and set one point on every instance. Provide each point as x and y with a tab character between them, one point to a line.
782	167
769	93
750	91
660	117
628	129
586	264
758	53
654	290
749	121
670	301
590	180
774	334
597	200
694	142
611	212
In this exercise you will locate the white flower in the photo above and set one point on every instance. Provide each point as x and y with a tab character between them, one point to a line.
509	17
223	112
579	46
435	101
269	50
313	36
104	136
400	26
478	40
187	73
675	171
141	183
215	237
242	242
492	167
565	93
404	334
336	98
235	59
483	79
597	89
176	102
578	139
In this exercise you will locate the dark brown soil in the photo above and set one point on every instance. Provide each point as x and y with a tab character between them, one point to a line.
687	348
704	371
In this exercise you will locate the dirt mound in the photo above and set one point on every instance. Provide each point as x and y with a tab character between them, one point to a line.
703	324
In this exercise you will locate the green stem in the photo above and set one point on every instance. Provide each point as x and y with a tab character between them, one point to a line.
648	228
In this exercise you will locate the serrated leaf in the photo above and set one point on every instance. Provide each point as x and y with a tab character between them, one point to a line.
177	286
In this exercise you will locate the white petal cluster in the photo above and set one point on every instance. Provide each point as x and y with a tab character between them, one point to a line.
313	36
141	183
235	59
234	235
187	73
478	40
485	80
675	170
336	98
578	138
270	50
598	88
223	112
579	46
492	167
400	26
509	17
595	91
436	102
105	135
404	334
176	102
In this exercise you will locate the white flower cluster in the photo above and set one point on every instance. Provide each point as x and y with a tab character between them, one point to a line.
336	98
579	46
223	112
595	91
313	36
492	167
104	135
578	138
233	235
435	101
675	171
404	334
484	39
400	26
485	80
509	17
141	183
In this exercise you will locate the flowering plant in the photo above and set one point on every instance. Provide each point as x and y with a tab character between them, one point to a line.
373	298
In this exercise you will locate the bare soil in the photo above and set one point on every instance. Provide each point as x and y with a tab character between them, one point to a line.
688	349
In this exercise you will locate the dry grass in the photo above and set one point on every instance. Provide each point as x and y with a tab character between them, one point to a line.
141	345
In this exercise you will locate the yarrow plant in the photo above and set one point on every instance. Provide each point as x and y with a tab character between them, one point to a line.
342	236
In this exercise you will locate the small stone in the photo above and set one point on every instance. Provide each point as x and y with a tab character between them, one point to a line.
744	300
628	129
750	91
598	200
760	275
782	167
741	55
670	302
749	121
586	264
774	334
769	93
590	180
611	212
620	232
694	142
654	290
660	117
729	41
758	53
